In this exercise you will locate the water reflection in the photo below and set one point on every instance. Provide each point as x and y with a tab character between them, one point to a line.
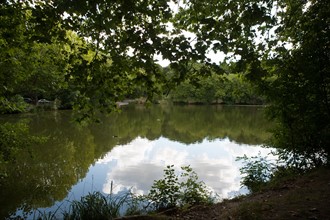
131	149
139	162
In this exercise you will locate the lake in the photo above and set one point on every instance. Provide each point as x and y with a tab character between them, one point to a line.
129	149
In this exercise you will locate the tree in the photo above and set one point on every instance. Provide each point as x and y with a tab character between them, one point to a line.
11	54
300	94
27	67
44	75
228	89
287	40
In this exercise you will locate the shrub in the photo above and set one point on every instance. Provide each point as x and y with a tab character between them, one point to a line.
178	190
165	192
193	191
256	172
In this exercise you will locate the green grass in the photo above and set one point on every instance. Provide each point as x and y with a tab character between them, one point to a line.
97	206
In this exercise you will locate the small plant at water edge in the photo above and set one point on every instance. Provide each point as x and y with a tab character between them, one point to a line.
165	192
256	171
178	190
96	206
193	191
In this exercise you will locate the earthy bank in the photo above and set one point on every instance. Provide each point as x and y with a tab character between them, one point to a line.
297	197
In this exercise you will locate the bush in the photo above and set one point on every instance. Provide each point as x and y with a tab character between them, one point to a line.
256	171
193	191
165	193
178	190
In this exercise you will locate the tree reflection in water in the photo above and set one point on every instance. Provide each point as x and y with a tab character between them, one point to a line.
46	172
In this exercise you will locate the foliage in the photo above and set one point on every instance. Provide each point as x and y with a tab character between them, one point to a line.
193	191
229	89
165	193
285	40
300	94
96	206
302	108
256	171
174	190
15	104
27	67
44	66
113	55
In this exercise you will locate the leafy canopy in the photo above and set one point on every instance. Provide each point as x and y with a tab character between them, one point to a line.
287	40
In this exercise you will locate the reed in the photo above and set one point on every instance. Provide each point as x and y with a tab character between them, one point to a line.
97	206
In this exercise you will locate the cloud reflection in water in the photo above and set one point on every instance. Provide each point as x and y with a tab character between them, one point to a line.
137	164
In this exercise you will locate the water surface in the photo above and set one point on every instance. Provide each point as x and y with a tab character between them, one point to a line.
130	149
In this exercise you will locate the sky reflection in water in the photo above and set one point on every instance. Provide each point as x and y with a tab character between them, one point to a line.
136	165
132	149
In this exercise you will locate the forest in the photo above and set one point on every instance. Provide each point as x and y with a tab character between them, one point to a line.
88	55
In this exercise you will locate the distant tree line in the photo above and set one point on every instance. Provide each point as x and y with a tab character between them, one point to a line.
218	89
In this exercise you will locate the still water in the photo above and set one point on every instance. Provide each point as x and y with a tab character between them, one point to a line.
129	149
